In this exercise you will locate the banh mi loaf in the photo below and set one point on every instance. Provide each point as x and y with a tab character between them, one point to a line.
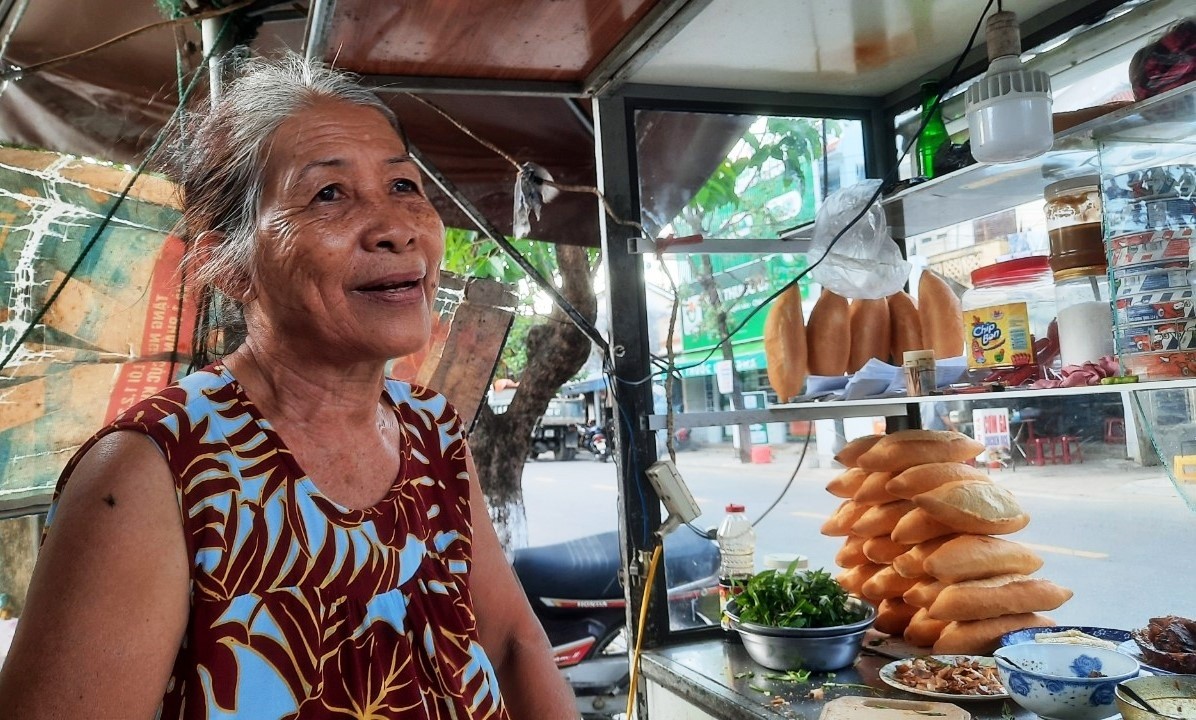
917	527
868	321
924	593
899	451
923	478
827	347
923	630
980	637
853	579
911	563
785	345
885	583
847	483
882	549
852	553
981	508
905	327
941	316
881	519
996	596
850	453
872	490
842	519
893	616
971	557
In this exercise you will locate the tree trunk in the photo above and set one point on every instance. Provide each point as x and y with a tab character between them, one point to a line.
555	350
743	430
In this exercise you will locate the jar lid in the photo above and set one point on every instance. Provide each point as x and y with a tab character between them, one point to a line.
1064	187
734	508
1016	270
916	357
1078	272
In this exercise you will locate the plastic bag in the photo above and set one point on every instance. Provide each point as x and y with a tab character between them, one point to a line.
1167	63
865	263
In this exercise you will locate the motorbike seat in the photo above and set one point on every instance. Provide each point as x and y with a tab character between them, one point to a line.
587	568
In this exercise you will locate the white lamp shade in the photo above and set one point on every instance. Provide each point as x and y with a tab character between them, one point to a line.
1011	128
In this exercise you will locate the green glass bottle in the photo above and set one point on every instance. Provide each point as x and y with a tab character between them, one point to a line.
934	135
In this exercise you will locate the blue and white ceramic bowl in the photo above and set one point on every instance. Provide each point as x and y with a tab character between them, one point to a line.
1064	682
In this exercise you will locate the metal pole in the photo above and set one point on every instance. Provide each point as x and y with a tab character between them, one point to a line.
639	506
213	45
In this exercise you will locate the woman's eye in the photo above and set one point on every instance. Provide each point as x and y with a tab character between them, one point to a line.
405	185
328	194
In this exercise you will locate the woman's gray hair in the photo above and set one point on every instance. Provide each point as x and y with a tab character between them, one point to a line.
218	160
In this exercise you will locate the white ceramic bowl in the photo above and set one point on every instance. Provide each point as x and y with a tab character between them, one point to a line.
1055	681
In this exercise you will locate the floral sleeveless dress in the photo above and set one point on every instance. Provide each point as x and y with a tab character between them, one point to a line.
301	608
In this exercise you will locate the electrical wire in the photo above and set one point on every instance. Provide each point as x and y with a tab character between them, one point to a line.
793	476
639	633
111	212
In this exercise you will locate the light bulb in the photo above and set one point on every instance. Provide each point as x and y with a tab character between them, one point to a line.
1009	109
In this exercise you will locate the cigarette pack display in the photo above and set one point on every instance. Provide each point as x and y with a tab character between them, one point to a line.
1161	365
1137	283
1134	216
1165	248
1163	181
1118	242
1172	335
1154	307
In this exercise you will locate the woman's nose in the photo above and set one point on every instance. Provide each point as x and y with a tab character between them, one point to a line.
389	229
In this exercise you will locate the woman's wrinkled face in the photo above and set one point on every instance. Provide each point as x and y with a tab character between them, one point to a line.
348	245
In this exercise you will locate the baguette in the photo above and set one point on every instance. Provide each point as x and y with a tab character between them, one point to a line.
868	321
917	527
941	316
853	579
924	593
912	562
785	345
996	596
923	630
827	350
971	557
885	583
899	451
850	453
842	519
846	484
882	549
924	478
852	553
881	519
967	506
893	616
905	329
980	637
872	491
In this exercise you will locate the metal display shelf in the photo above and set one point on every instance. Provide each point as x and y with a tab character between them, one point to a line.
983	189
891	406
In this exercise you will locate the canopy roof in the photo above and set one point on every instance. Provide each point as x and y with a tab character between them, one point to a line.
519	73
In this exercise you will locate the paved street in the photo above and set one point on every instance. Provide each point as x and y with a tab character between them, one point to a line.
1114	532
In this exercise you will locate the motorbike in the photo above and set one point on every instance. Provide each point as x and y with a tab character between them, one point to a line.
594	439
574	590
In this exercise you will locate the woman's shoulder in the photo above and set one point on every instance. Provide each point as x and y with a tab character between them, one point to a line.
418	397
200	386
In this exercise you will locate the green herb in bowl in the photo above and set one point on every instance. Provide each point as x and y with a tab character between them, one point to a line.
788	599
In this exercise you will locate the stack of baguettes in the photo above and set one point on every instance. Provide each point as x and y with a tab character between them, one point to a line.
919	524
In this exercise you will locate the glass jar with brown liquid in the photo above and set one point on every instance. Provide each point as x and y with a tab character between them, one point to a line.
1073	215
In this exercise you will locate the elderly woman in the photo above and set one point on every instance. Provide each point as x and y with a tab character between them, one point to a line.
287	533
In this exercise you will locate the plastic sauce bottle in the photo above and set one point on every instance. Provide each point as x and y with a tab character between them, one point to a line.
737	546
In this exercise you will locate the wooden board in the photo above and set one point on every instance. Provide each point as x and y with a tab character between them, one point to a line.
857	708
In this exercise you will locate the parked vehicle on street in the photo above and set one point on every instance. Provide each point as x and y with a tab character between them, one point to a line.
574	590
596	439
556	430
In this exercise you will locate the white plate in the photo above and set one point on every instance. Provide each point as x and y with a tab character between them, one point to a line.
888	674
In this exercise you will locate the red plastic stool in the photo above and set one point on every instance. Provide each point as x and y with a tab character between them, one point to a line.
1065	444
1114	430
1044	447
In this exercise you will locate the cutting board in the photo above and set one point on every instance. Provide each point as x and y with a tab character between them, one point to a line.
854	708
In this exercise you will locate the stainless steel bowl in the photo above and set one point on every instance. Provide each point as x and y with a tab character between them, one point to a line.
818	649
1174	695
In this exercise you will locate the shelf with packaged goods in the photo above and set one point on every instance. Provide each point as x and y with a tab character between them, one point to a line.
982	189
892	406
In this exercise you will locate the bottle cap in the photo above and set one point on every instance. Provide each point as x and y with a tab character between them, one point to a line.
732	508
913	358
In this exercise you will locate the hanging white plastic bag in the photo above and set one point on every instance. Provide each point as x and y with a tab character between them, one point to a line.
865	263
